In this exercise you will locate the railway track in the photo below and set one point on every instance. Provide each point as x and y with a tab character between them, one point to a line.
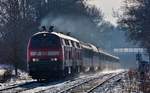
106	84
58	87
76	85
80	85
90	85
15	88
24	87
61	86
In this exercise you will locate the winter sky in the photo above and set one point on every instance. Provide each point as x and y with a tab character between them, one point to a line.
107	6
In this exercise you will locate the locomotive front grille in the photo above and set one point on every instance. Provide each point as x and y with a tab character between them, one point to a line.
44	69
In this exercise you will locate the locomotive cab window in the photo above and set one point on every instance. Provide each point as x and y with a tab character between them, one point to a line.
45	41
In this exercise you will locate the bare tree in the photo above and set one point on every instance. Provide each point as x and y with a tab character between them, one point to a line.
135	20
21	18
16	19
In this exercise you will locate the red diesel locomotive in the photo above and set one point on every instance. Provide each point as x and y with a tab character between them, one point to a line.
52	54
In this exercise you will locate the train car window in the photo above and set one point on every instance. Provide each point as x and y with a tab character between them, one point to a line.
72	43
104	57
66	42
45	41
100	56
77	45
86	53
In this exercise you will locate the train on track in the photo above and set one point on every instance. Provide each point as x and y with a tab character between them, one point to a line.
53	54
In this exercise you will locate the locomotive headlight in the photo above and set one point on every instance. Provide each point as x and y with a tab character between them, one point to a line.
54	59
35	59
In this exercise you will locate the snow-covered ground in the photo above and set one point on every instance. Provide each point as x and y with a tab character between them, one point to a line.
22	77
56	86
120	84
67	84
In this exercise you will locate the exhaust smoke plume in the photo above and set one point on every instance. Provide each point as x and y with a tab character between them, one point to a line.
80	27
103	34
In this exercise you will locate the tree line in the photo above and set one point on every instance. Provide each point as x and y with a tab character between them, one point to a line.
19	19
136	22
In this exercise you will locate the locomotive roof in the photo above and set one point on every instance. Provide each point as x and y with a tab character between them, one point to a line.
107	54
85	45
94	48
89	46
65	36
58	34
42	32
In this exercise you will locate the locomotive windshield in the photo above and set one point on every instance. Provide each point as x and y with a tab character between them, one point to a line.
44	41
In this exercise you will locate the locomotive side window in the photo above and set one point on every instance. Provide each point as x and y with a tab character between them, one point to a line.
72	43
66	42
77	44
